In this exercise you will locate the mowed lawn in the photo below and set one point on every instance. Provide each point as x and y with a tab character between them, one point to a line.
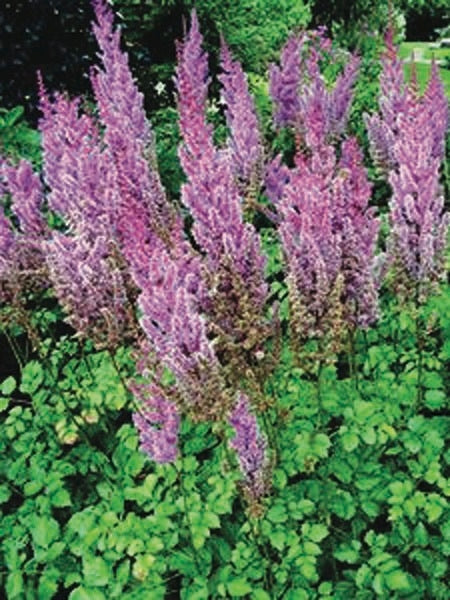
423	52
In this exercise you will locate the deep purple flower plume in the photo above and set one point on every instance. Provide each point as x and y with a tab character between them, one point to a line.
251	448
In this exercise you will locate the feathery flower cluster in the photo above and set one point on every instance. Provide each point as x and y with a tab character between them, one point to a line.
84	263
142	210
250	446
407	140
21	257
171	320
157	422
245	138
328	232
233	255
301	97
358	228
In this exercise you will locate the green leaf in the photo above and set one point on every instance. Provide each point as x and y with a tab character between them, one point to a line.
435	399
8	386
32	377
350	441
96	571
83	593
277	514
14	585
260	594
44	531
61	498
397	580
239	587
317	532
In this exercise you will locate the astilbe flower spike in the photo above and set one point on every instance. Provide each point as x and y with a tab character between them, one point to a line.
157	422
83	260
22	258
177	331
234	263
245	138
358	228
143	212
301	96
312	247
410	132
251	448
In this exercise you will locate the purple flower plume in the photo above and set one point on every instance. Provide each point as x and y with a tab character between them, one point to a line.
245	141
192	82
251	447
157	422
142	209
311	244
358	228
300	93
407	141
21	256
234	262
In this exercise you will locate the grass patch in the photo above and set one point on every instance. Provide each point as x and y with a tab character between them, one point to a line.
423	70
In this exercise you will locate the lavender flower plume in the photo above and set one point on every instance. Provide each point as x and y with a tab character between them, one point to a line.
245	138
192	82
251	448
142	207
233	259
84	261
312	246
382	129
300	93
27	196
419	224
157	422
409	135
172	321
285	82
436	104
21	259
358	228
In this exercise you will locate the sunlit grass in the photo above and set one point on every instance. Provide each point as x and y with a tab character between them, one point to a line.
407	49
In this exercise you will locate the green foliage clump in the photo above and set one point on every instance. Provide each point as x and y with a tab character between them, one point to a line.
358	507
17	138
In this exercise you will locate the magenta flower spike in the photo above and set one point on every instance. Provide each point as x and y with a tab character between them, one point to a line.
142	209
231	246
